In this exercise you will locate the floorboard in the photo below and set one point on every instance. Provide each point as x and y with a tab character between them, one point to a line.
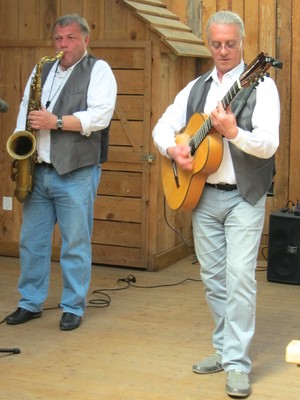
143	344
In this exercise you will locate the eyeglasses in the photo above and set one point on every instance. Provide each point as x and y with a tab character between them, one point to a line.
230	45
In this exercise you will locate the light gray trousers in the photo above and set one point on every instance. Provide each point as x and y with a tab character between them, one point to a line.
227	232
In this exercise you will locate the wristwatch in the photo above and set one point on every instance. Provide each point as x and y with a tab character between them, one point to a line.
59	123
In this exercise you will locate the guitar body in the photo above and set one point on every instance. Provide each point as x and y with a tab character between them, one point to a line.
186	191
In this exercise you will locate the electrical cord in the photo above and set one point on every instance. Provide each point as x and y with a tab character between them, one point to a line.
130	282
173	229
105	301
100	303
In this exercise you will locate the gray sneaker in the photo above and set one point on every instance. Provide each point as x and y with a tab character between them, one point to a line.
210	365
238	384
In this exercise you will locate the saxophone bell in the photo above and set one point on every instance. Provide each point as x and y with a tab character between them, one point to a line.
21	145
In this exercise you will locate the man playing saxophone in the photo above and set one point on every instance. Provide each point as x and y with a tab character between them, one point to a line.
78	99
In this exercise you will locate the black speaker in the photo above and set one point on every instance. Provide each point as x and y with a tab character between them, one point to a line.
284	248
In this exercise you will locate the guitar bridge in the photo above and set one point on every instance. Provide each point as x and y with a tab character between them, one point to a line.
174	167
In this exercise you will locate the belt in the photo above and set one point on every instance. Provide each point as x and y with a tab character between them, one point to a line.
45	164
222	186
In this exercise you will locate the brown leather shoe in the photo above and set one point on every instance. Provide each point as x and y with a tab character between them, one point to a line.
21	315
69	321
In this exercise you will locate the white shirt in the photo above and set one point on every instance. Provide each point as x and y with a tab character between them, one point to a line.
101	98
262	142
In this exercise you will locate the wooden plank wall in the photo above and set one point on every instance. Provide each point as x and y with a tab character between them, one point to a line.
120	220
271	26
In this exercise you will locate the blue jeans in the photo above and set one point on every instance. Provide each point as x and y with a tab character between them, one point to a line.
67	200
227	232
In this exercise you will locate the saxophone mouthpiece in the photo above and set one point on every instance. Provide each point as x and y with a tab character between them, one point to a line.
59	54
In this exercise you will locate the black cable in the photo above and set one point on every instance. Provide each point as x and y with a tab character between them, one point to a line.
105	302
130	282
263	253
173	229
166	284
100	303
260	269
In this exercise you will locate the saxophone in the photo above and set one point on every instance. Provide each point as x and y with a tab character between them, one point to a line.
21	145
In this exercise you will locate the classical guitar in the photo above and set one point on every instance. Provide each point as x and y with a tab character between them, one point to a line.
183	188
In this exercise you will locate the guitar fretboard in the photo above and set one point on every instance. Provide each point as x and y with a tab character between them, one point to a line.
205	128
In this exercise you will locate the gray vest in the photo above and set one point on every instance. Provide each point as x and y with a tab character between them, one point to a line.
253	175
71	150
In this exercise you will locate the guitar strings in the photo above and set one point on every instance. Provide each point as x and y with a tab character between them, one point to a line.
203	131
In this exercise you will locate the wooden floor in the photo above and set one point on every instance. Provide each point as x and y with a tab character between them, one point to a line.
142	346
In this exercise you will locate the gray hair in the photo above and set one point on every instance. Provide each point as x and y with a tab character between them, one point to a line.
71	19
226	18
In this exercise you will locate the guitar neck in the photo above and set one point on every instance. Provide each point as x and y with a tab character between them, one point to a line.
230	95
204	130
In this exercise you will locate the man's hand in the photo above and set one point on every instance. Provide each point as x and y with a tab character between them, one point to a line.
181	154
224	121
42	119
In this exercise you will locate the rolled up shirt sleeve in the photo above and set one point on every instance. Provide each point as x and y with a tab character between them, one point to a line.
101	99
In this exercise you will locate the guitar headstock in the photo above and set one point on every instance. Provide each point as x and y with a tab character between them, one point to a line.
258	69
